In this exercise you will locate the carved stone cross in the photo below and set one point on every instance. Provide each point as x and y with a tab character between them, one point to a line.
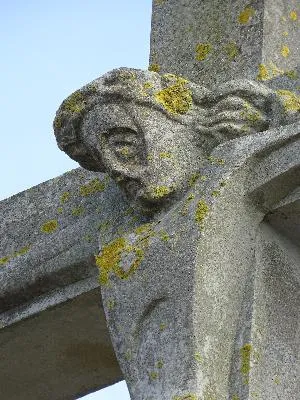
201	289
202	298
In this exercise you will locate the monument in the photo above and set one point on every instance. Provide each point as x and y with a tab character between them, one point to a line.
201	288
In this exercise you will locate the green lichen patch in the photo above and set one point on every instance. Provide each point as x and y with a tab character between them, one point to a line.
60	210
4	260
65	197
94	186
188	396
202	51
164	236
214	160
198	358
176	98
193	179
201	212
49	226
153	375
111	304
77	211
232	50
235	397
245	352
154	67
74	103
160	364
128	355
246	15
162	327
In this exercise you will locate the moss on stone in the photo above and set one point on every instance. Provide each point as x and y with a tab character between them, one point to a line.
49	226
94	186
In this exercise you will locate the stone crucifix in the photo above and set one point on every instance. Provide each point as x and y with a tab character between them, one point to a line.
202	298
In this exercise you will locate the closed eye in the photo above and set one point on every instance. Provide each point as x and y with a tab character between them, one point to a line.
126	144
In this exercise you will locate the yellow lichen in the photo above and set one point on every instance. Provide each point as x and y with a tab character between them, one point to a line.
235	397
202	51
246	15
60	210
263	73
92	187
201	212
160	191
198	358
111	303
165	154
49	226
177	98
164	236
77	211
110	257
20	252
193	179
188	396
65	197
153	375
232	50
162	327
215	193
4	260
293	15
291	101
74	103
276	380
285	51
245	361
154	68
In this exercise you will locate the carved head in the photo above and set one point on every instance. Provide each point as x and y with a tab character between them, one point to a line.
151	133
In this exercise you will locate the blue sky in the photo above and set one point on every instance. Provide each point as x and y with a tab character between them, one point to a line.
49	49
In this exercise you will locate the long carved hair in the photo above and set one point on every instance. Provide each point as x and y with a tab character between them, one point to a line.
234	109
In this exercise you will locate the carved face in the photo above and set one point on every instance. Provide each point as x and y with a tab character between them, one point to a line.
150	156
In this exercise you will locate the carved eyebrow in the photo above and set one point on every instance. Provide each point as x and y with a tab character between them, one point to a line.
121	131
